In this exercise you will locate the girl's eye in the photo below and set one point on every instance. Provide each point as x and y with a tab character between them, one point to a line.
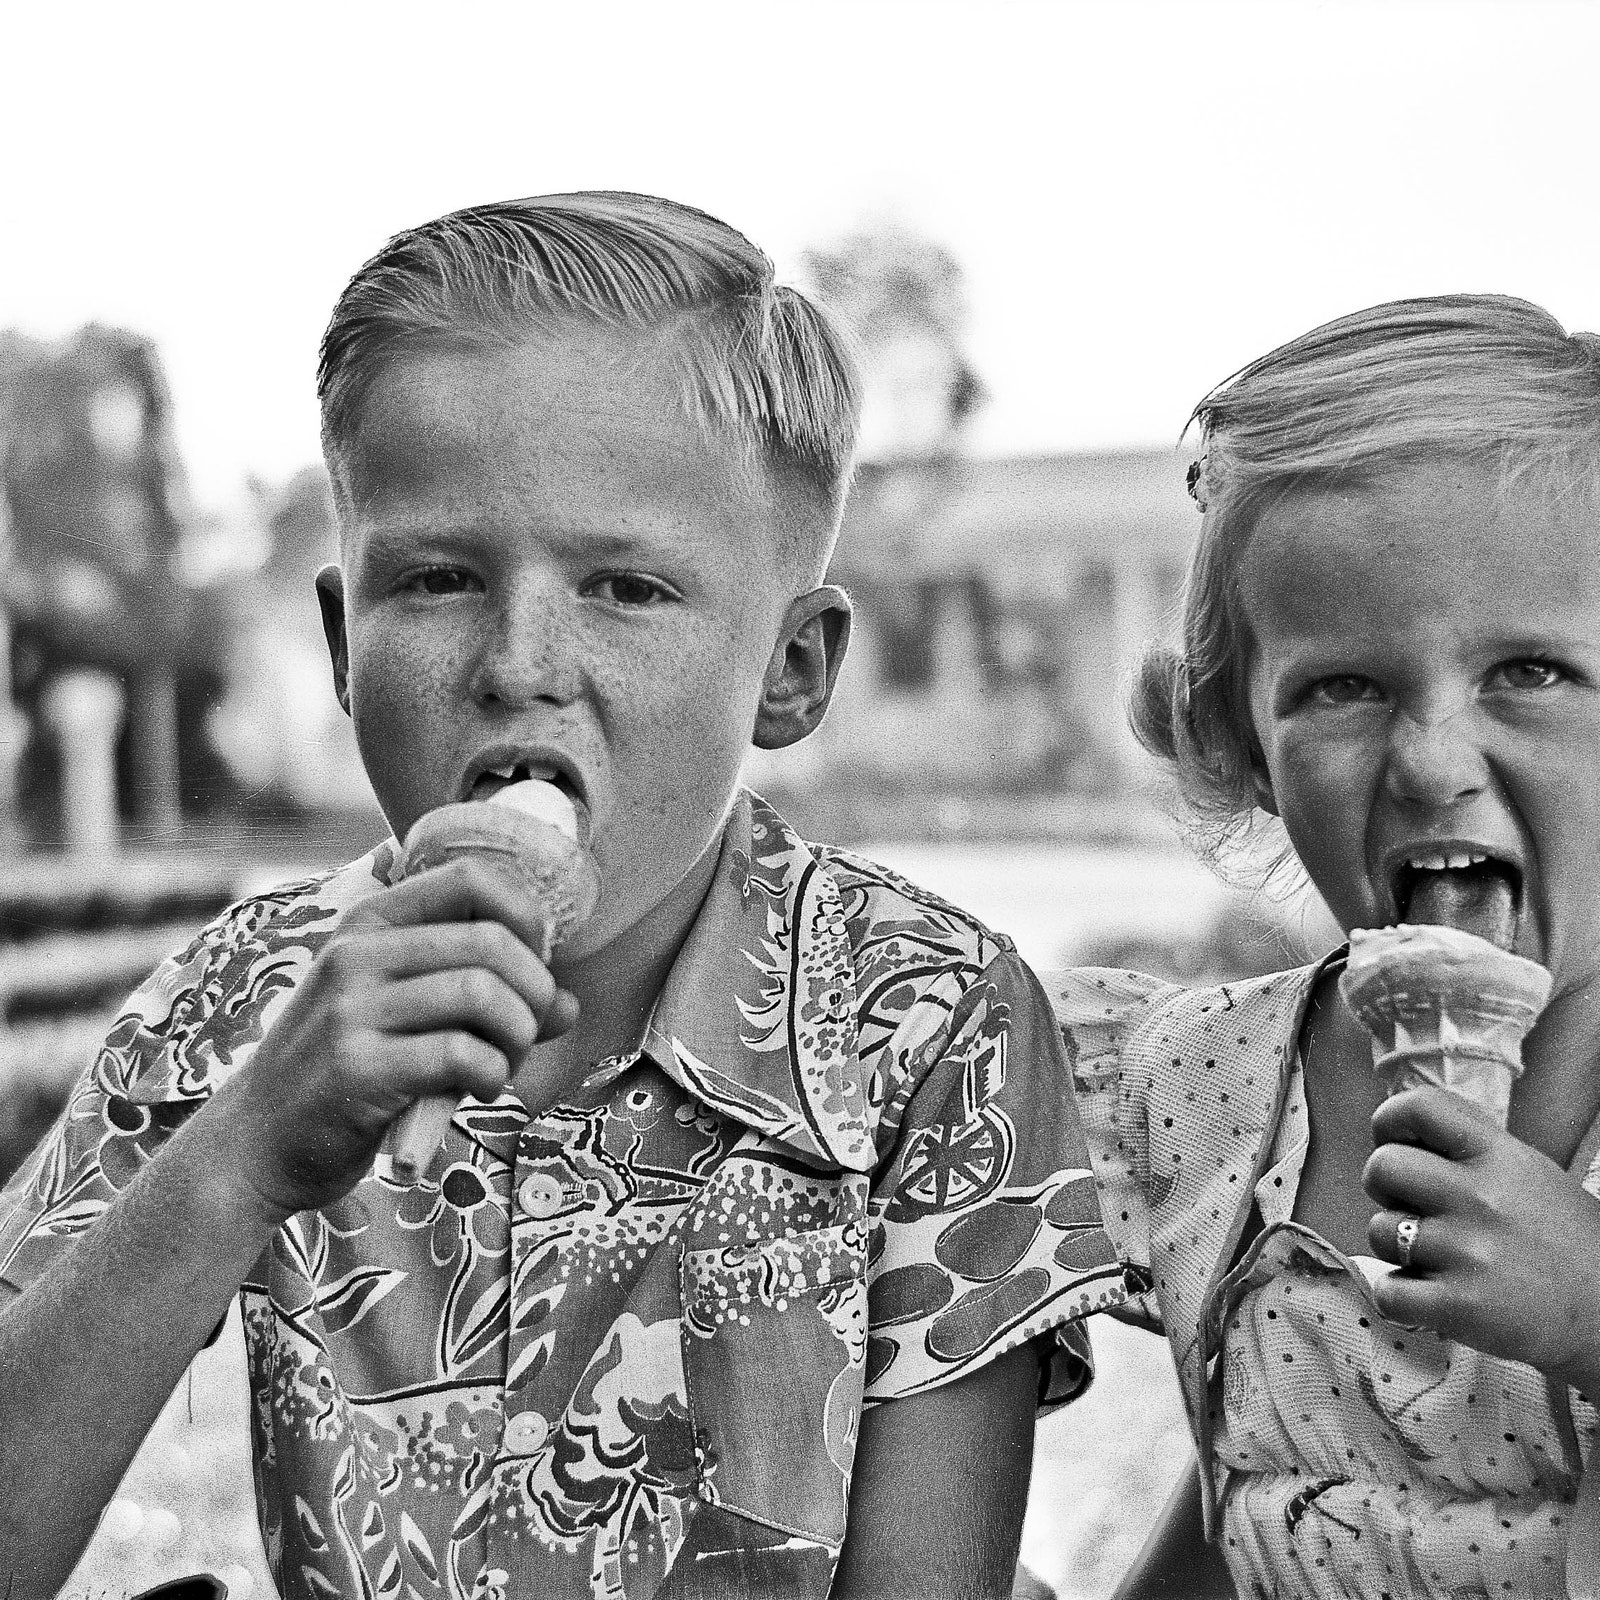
630	589
439	580
1529	674
1344	690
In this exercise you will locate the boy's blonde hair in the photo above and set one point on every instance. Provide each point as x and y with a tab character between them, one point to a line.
759	361
1484	375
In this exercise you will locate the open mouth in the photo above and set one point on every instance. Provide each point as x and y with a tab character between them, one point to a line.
1469	889
493	779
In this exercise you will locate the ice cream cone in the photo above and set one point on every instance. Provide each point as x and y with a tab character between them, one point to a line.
1444	1007
533	828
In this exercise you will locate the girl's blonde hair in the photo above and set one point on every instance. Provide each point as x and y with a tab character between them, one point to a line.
1484	375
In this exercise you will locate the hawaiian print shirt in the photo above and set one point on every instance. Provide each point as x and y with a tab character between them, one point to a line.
642	1323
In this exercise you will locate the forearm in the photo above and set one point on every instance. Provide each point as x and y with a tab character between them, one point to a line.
93	1348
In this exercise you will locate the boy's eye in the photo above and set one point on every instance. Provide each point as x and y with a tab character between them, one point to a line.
1529	674
631	589
439	580
1343	690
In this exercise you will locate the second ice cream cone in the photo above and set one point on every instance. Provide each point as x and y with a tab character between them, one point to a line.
1444	1007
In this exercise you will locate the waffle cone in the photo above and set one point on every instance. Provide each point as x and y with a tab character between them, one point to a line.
1444	1007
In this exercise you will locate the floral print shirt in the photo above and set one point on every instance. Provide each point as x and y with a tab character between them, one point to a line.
638	1325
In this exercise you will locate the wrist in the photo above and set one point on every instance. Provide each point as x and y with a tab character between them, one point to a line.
1582	1372
232	1165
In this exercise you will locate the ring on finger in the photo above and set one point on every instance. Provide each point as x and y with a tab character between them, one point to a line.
1406	1233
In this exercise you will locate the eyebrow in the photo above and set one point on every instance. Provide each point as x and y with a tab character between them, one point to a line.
389	540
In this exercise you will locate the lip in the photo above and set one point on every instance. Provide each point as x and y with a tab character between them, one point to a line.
536	756
1399	856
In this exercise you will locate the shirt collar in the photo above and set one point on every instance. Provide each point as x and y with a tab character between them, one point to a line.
758	1015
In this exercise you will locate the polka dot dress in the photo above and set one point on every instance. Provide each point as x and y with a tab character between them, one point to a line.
1353	1456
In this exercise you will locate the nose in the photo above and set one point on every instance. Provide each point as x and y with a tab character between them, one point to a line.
526	652
1435	760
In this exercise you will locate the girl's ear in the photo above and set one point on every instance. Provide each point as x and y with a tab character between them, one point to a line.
1261	781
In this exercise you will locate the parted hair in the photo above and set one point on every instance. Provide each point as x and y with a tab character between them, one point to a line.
1484	375
759	360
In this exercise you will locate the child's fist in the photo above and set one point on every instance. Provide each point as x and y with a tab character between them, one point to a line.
1506	1252
430	987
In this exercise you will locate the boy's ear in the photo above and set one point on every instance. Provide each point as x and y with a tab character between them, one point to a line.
330	596
804	667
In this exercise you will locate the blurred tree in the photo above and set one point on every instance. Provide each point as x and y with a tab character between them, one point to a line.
95	500
903	295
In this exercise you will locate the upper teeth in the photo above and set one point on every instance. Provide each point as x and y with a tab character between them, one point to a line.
521	769
1440	860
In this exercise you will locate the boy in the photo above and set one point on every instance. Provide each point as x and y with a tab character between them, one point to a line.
774	1135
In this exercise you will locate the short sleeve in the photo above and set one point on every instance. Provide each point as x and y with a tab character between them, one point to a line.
985	1230
1099	1011
188	1027
108	1131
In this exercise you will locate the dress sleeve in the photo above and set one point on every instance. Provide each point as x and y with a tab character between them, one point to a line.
985	1231
1099	1011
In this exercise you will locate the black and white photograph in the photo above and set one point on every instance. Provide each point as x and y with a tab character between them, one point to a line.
800	800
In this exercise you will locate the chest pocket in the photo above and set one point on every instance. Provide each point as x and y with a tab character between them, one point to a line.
774	1294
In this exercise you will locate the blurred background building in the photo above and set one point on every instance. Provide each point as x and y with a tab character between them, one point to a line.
1000	603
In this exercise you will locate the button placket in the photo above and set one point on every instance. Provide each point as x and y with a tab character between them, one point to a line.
538	1198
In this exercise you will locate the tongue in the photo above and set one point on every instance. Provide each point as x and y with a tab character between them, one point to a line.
1475	902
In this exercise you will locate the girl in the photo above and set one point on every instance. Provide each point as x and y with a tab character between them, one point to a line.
1391	642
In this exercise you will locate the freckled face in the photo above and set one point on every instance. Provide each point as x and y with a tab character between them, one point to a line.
543	555
1427	668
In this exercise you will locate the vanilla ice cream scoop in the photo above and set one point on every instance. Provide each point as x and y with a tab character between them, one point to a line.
1444	1006
534	828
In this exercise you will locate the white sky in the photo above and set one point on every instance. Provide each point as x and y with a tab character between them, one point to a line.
1144	195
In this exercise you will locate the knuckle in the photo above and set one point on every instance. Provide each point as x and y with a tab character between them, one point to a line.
348	1011
525	1030
476	989
478	877
337	957
494	945
460	1051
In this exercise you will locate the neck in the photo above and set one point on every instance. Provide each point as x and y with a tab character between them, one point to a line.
617	985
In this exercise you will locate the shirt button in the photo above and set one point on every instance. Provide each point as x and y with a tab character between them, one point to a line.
525	1432
541	1195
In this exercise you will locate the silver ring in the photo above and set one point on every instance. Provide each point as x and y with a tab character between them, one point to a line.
1406	1233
